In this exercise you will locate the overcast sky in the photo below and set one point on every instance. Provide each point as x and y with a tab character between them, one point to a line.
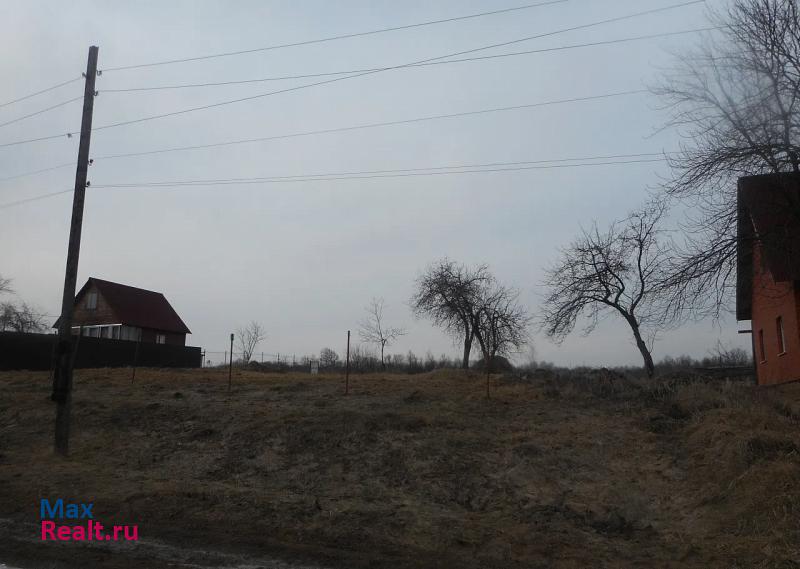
304	258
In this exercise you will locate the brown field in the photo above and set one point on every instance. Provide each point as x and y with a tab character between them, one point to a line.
408	471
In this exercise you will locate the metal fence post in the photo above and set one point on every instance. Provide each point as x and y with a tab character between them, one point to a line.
347	367
230	367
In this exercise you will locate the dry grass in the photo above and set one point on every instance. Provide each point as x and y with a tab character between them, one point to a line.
418	471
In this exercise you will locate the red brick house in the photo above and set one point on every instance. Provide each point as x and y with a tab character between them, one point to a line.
768	272
110	310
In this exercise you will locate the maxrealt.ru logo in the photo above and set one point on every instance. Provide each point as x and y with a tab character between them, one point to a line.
75	522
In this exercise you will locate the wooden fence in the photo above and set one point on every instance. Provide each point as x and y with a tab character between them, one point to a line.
35	352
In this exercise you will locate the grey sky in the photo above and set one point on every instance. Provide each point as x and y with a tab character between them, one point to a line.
304	258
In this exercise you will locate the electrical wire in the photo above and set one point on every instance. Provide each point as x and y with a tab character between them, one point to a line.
308	85
461	60
56	86
34	198
390	68
41	170
327	131
333	38
365	175
336	175
375	176
39	112
372	125
69	134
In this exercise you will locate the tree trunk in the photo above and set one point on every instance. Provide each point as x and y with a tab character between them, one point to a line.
640	343
467	350
383	365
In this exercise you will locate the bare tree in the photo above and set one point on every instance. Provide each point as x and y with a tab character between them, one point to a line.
247	339
5	285
374	331
450	295
328	358
619	271
362	358
500	323
7	315
21	318
735	99
724	356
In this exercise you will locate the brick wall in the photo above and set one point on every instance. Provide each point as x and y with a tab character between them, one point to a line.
772	300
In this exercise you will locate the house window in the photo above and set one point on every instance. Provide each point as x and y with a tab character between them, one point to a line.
131	333
161	339
761	353
91	301
781	337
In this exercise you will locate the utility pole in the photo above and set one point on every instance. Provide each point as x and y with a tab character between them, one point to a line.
347	367
62	378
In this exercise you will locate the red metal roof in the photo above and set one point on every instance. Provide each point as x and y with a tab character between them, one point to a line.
137	306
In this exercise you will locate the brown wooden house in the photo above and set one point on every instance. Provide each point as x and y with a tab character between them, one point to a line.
768	272
104	309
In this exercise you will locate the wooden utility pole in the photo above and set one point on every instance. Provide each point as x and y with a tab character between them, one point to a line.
347	367
62	377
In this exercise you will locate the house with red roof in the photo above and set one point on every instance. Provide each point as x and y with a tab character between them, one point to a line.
104	309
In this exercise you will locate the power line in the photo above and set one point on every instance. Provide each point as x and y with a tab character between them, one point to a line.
397	175
39	112
38	139
372	125
41	170
335	175
296	88
333	38
35	198
371	174
331	130
449	61
56	86
362	74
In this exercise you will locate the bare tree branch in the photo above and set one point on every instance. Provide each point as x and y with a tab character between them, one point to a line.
735	99
618	271
328	358
449	294
374	331
500	323
247	339
21	318
5	285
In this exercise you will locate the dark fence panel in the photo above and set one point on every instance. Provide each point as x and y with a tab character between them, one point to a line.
35	352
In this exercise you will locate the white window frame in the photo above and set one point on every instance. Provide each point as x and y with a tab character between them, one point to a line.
97	329
91	301
161	338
